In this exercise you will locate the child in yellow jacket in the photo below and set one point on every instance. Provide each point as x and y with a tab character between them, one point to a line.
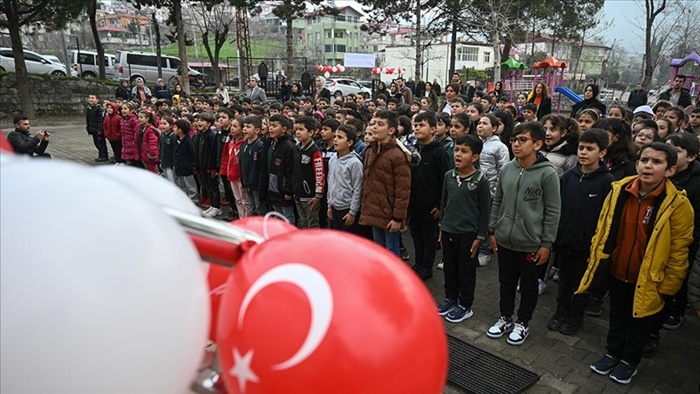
643	234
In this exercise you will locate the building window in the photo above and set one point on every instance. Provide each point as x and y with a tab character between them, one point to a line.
340	18
329	48
487	57
339	34
468	54
340	48
318	36
329	33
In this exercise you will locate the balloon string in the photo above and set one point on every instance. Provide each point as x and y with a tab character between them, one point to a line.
267	217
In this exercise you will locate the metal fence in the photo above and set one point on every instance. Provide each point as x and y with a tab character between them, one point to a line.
268	69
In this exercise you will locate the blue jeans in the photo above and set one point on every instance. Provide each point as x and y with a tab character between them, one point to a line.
387	239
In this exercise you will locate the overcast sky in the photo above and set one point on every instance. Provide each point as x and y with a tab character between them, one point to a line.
623	14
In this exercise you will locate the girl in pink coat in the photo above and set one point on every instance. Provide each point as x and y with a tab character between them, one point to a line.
130	129
147	141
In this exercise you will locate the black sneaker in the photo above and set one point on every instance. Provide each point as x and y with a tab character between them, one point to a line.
101	159
458	314
605	364
502	326
557	320
651	347
446	306
594	307
673	322
404	254
571	325
423	273
623	372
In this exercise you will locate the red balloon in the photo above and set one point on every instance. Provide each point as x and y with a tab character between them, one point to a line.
5	144
348	317
319	68
217	277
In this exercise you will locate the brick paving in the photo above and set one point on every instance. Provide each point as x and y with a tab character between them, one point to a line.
562	361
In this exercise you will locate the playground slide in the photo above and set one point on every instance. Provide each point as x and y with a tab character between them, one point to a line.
570	94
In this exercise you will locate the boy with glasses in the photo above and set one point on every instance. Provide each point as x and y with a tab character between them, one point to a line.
523	226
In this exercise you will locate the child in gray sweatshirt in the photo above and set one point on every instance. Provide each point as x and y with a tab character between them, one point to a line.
344	182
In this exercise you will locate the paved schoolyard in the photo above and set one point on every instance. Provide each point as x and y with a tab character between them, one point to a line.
562	361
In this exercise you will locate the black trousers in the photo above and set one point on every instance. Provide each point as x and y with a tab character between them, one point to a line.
513	266
117	149
627	335
209	184
459	267
323	217
572	266
228	191
100	144
424	234
337	223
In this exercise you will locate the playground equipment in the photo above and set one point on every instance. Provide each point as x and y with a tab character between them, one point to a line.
553	75
676	64
511	65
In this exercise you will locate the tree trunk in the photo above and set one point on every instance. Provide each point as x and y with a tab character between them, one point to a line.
419	50
158	49
290	47
506	48
453	50
648	69
496	55
92	11
25	95
181	46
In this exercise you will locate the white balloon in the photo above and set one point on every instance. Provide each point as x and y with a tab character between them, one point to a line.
327	74
154	188
100	291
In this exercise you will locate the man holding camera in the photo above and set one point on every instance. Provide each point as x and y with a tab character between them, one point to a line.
23	143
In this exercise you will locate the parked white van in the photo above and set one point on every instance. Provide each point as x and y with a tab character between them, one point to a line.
85	64
132	65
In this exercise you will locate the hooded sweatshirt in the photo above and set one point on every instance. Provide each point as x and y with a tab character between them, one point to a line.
494	155
526	206
345	182
582	197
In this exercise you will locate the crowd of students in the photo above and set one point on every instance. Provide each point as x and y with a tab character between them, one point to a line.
602	201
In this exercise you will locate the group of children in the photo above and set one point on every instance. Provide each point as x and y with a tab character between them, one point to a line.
579	195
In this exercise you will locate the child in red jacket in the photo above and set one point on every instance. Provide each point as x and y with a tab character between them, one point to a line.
147	143
112	129
229	167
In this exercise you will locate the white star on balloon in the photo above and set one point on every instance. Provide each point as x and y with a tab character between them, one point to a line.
241	369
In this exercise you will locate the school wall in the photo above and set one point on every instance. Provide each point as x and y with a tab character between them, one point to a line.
51	96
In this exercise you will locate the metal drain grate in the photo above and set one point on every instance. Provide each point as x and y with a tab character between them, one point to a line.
476	371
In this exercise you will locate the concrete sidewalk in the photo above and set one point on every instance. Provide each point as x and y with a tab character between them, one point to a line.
562	361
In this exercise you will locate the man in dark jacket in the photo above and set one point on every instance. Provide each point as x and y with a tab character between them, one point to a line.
94	116
638	97
22	143
677	95
426	193
262	74
277	168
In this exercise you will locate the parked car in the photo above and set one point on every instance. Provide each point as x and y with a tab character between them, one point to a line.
367	84
345	86
36	64
85	64
132	65
52	58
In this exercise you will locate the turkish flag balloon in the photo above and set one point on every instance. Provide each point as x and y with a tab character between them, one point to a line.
4	144
336	337
319	68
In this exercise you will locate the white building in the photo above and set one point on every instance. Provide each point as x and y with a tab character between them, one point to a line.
436	59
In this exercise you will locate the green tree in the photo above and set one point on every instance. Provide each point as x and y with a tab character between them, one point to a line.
51	14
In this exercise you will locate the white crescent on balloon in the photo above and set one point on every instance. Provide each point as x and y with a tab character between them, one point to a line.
317	290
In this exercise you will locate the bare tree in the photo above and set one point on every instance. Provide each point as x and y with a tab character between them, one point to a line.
212	18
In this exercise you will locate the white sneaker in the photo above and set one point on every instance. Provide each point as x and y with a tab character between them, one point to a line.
441	265
484	259
541	286
502	326
518	335
206	211
213	212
